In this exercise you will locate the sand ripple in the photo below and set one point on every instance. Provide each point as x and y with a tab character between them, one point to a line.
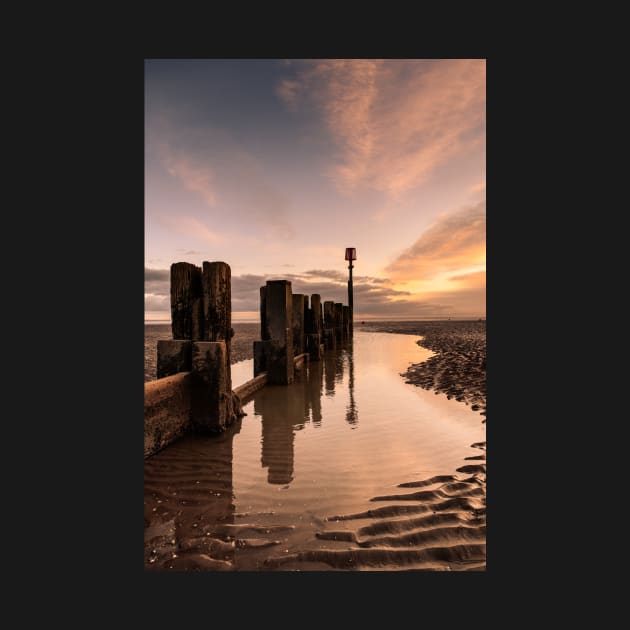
448	535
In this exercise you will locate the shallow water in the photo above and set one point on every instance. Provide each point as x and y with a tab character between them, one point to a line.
348	431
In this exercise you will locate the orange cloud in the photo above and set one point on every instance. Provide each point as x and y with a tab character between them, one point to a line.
472	280
479	187
454	243
395	121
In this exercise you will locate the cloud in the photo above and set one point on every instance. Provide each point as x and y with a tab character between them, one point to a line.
340	276
372	296
209	163
287	90
156	274
472	279
394	121
479	187
154	302
461	302
191	227
194	175
330	284
452	243
157	284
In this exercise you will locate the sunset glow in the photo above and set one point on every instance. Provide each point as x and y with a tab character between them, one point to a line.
276	166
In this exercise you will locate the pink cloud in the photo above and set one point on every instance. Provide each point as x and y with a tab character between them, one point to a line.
287	90
479	187
191	227
195	176
395	121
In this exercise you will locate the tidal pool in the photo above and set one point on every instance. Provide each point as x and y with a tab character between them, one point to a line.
348	431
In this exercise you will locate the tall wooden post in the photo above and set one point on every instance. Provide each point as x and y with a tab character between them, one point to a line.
339	321
186	302
174	355
214	405
329	324
316	307
261	348
298	323
279	314
315	329
264	329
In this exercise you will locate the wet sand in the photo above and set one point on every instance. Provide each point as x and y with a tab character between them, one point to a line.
220	510
459	367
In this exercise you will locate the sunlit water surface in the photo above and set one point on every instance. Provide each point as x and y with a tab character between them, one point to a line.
348	429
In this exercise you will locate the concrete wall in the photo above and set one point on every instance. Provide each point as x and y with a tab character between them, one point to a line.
248	389
168	406
166	411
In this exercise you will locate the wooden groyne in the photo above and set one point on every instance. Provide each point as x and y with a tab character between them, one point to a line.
193	392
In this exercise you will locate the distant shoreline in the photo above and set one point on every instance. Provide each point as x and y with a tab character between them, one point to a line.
357	320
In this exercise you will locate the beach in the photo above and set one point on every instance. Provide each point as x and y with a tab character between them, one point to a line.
458	369
402	505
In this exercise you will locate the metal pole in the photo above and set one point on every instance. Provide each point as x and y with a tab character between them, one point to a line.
350	294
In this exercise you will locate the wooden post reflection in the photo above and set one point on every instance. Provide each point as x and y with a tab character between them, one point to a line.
352	415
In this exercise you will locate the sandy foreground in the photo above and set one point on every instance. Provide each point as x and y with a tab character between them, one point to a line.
433	523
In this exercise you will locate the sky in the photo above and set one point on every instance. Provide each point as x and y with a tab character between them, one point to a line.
276	166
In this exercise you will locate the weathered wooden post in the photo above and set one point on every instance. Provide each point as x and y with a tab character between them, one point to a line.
213	405
264	329
174	355
260	353
338	315
315	328
346	322
329	324
217	303
186	301
298	323
308	320
261	347
306	313
279	316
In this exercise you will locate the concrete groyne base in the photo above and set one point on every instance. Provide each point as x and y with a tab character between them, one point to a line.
168	405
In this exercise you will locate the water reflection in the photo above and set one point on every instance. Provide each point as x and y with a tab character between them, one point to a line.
210	505
339	361
334	368
285	410
281	416
330	359
313	386
188	500
352	415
